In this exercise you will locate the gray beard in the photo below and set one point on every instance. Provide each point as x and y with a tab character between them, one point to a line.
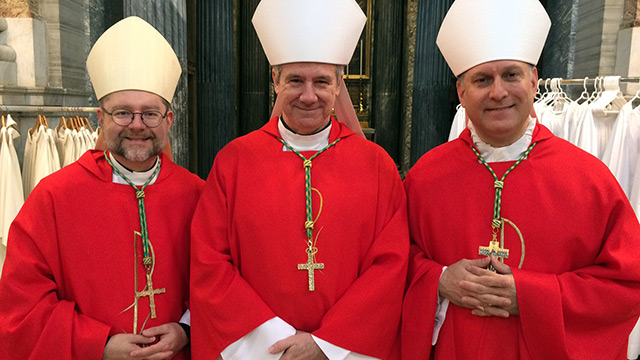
136	153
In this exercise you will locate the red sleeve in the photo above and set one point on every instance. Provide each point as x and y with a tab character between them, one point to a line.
373	303
421	297
34	322
224	307
578	306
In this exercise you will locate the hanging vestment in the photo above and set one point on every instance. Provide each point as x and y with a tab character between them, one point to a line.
459	123
248	238
574	123
572	257
556	118
621	154
68	281
595	131
68	154
11	193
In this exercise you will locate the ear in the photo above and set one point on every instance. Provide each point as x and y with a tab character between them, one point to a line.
100	116
275	83
534	79
460	90
169	119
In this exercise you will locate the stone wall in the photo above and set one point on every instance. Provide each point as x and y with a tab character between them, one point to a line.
15	8
631	17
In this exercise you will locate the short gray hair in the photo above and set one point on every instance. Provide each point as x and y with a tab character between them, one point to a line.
277	69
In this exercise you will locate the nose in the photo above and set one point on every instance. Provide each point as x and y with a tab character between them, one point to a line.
137	122
308	94
498	90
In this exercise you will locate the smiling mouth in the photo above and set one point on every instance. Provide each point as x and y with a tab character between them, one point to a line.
501	108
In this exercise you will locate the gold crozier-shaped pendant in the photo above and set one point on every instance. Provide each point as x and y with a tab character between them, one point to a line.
148	289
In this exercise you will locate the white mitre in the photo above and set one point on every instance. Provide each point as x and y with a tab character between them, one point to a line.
478	31
133	55
324	31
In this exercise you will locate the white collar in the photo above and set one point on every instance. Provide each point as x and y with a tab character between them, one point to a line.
317	141
138	178
511	152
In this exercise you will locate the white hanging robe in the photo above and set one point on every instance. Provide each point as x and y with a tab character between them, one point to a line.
621	154
574	123
595	131
28	162
459	123
11	192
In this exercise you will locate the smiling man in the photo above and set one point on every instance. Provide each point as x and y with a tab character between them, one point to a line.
523	246
300	239
98	257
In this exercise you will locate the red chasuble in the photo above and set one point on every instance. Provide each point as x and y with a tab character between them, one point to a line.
70	262
248	238
578	290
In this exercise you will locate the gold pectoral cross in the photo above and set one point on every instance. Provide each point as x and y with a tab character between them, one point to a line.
310	266
495	248
150	292
148	289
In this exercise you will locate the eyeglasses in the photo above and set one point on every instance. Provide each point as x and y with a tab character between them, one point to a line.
151	118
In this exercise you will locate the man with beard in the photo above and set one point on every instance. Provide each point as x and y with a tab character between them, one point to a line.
96	265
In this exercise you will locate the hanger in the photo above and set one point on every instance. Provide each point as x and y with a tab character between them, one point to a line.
62	124
538	92
584	96
36	125
3	124
86	122
611	99
597	90
558	97
635	98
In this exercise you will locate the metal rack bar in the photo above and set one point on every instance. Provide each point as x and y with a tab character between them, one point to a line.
46	109
592	80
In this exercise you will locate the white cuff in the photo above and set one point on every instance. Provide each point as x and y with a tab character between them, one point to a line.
334	352
441	312
255	344
186	318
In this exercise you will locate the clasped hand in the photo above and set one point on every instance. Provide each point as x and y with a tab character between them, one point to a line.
300	346
469	284
171	339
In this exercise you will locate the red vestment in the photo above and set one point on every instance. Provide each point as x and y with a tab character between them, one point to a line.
578	290
70	260
248	237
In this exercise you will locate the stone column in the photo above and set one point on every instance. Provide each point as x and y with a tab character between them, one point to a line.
558	57
628	47
434	97
254	72
386	77
170	18
215	81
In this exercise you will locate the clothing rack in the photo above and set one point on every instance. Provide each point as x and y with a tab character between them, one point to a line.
46	109
592	80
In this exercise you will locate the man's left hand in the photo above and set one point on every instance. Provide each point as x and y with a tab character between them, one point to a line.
300	346
494	294
171	340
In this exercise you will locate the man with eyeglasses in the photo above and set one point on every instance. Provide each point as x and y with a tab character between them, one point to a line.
98	257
